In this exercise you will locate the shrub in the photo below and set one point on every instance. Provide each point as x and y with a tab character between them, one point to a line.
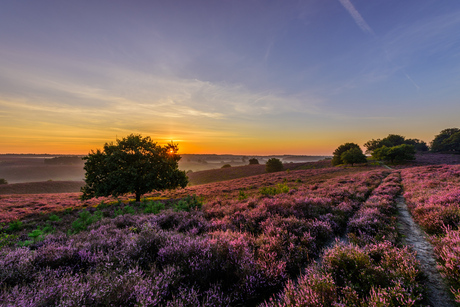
226	166
273	165
15	226
85	219
253	161
188	203
242	195
7	239
3	181
280	188
153	207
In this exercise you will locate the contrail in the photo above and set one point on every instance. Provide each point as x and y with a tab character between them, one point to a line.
356	16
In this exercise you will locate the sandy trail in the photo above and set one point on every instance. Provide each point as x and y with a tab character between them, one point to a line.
438	291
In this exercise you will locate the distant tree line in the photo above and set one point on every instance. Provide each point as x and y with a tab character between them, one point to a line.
396	148
67	160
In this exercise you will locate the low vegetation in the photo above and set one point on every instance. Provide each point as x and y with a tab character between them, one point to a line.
274	165
312	235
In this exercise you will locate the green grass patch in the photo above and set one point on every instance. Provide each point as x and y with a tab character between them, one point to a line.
278	189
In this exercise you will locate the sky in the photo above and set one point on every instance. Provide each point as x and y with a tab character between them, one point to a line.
226	77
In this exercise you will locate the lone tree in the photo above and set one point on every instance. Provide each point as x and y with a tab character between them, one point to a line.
273	165
132	165
253	161
337	158
448	140
352	156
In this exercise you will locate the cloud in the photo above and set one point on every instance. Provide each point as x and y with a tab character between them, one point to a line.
356	16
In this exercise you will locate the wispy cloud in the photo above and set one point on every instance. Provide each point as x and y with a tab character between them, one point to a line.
357	16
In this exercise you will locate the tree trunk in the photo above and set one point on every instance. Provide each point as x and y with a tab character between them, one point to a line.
138	197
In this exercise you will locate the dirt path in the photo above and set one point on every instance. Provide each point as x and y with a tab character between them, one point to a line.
438	292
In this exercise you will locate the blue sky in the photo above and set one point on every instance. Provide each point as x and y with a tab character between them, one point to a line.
243	77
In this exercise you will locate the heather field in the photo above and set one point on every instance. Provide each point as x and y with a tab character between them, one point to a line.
311	236
433	197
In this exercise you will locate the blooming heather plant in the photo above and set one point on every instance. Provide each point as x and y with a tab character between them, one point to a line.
375	275
232	251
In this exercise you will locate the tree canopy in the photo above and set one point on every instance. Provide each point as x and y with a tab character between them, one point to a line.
394	140
448	140
352	156
337	155
274	165
133	165
393	154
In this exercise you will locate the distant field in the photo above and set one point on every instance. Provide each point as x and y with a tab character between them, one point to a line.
32	168
215	175
41	187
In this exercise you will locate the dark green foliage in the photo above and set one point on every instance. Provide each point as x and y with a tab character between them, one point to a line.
85	219
125	210
7	239
154	207
352	156
133	165
337	158
419	146
187	204
448	140
253	161
15	226
242	195
273	165
393	154
3	181
54	218
393	140
453	142
226	166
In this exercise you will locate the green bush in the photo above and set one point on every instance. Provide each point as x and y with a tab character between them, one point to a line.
253	161
126	210
7	239
153	207
242	195
15	226
273	165
187	204
54	218
85	219
280	188
3	181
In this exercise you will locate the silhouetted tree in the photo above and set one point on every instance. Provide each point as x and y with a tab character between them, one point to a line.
226	166
337	155
273	165
446	140
3	181
394	140
132	165
353	155
419	146
253	161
